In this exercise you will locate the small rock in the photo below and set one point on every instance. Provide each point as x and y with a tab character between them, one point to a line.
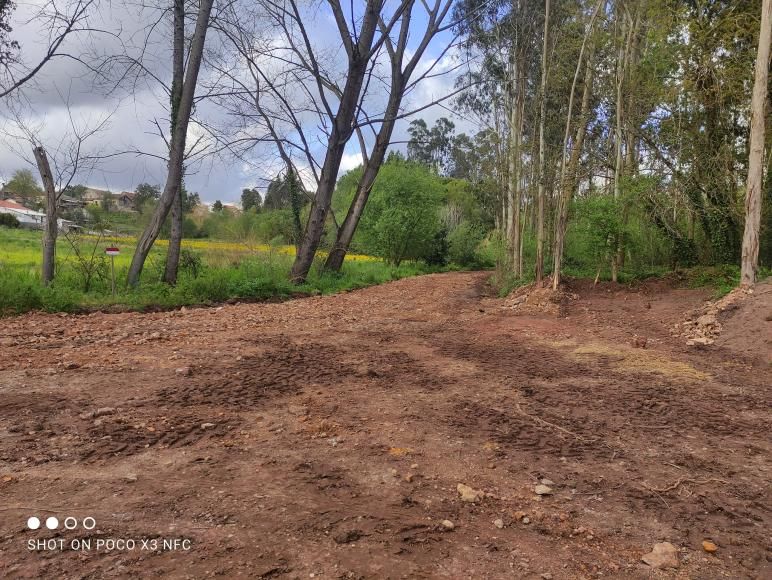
447	525
546	576
207	425
662	555
394	472
547	481
97	413
469	494
499	523
184	371
707	320
347	536
542	489
526	520
700	341
414	466
409	477
131	477
71	365
709	546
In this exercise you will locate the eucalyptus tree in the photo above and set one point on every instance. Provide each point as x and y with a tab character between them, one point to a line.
750	247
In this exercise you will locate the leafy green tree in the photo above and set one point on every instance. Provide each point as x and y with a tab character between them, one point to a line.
431	147
145	193
278	194
217	206
250	198
402	217
23	184
463	243
189	201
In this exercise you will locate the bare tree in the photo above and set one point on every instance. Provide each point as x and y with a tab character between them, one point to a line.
360	48
70	159
401	73
175	96
176	142
59	21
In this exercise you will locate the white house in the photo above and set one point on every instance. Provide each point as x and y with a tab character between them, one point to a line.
29	218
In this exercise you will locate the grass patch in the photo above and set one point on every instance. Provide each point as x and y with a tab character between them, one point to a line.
220	272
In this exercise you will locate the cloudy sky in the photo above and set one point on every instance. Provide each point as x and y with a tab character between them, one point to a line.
66	99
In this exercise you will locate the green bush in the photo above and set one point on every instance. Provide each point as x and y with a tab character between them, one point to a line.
9	220
463	243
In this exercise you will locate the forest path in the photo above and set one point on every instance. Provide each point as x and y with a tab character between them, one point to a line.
328	436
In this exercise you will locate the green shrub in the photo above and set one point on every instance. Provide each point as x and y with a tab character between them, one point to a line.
9	220
463	243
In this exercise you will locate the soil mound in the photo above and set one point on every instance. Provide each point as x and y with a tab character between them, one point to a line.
739	321
540	299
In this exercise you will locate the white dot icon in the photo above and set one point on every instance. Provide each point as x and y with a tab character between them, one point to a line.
33	523
52	523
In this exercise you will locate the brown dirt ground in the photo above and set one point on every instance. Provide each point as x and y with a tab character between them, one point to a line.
342	426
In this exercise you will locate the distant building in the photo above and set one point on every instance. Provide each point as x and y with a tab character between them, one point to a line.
124	201
29	218
94	196
67	202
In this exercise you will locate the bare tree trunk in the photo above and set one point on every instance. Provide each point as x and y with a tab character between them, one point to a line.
178	76
348	227
342	129
750	247
51	227
176	145
515	177
542	151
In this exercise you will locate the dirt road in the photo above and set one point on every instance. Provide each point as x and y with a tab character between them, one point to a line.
326	437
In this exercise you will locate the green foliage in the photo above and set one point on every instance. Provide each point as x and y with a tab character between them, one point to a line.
145	193
250	199
23	184
217	206
463	244
9	220
201	281
401	219
191	262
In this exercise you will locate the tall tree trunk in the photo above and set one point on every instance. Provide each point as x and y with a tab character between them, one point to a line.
630	164
618	159
750	247
569	174
542	151
364	187
178	73
51	227
176	145
342	129
517	230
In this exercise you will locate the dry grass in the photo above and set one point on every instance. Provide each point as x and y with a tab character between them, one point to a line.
628	359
